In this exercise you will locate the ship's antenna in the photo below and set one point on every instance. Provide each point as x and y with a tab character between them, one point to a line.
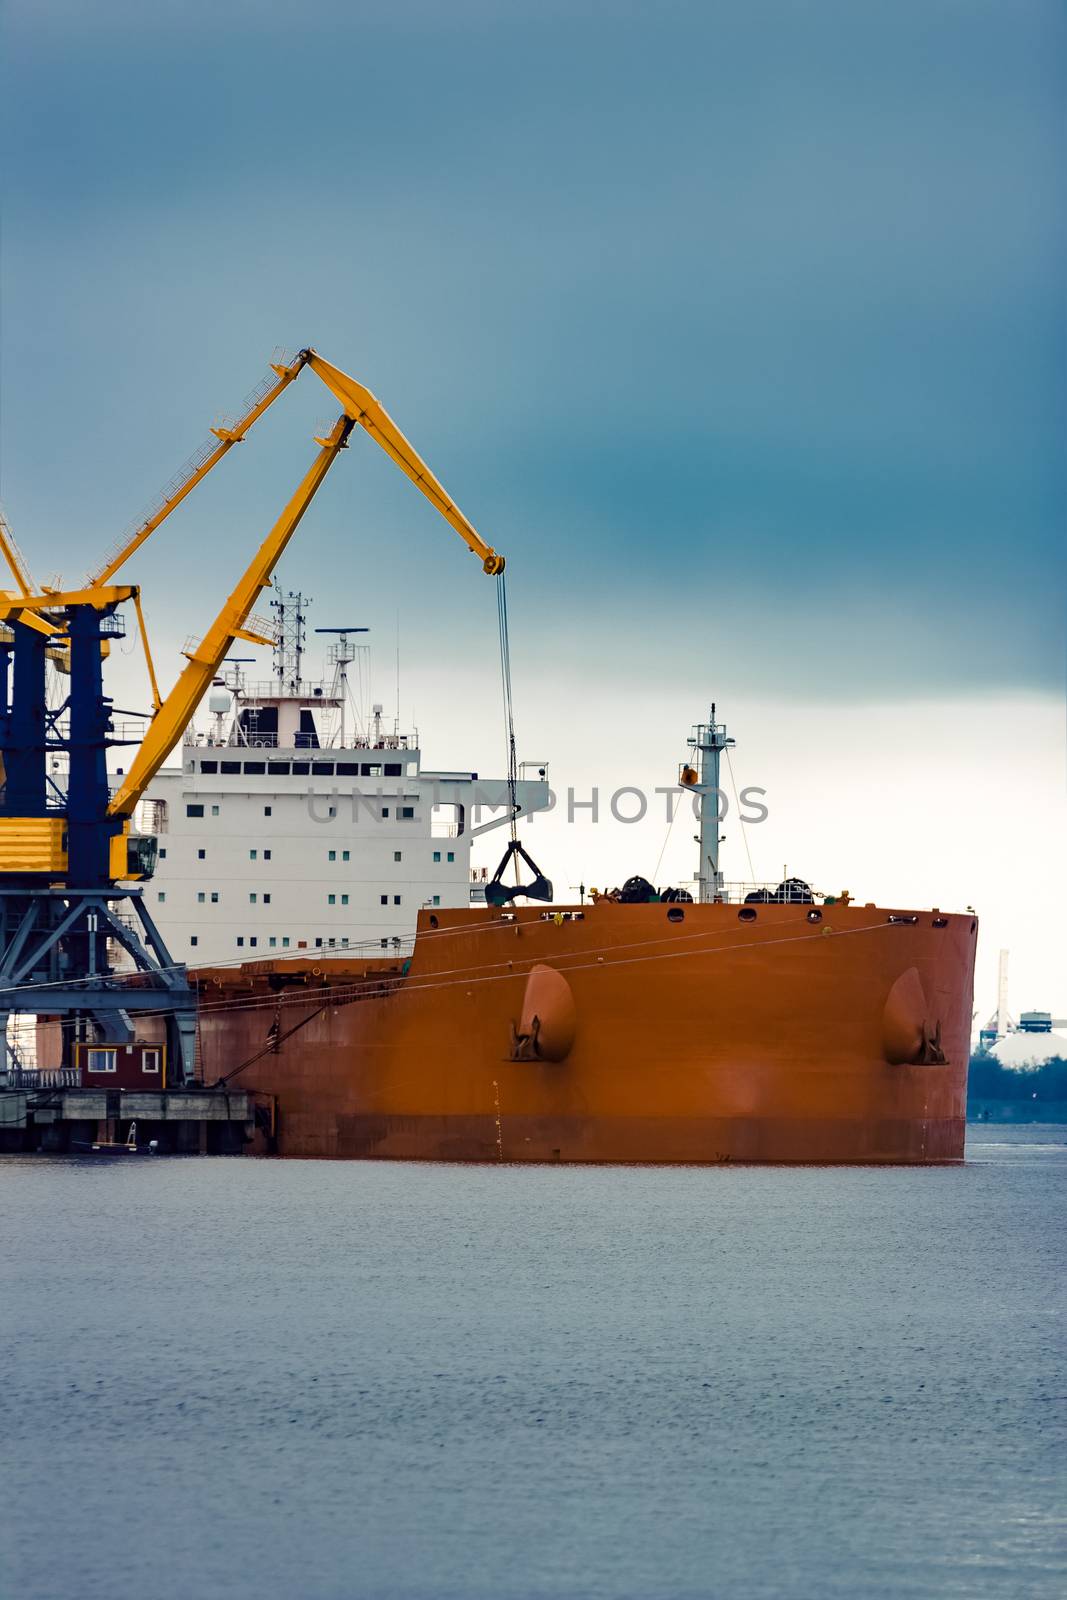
289	650
397	729
340	656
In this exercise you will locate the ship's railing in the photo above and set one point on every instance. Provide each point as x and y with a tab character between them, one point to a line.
44	1078
780	891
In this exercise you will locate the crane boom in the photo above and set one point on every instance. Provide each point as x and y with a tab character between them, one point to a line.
198	469
204	661
371	415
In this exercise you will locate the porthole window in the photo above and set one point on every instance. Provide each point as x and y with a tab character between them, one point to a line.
433	922
940	922
746	914
675	914
814	916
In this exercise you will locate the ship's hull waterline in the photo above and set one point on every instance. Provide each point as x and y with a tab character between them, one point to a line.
630	1033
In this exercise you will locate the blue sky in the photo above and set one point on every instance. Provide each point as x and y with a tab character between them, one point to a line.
738	327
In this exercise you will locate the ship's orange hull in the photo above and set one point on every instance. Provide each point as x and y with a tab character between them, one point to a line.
699	1038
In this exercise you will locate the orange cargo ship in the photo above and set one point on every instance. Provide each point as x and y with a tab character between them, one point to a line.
683	1032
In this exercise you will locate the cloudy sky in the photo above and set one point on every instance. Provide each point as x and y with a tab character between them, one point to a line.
737	327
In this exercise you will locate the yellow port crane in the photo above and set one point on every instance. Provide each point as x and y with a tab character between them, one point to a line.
62	613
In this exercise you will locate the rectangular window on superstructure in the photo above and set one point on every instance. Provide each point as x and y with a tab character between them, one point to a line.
385	811
396	899
437	855
385	944
163	854
392	769
285	941
437	900
273	941
252	855
193	939
318	944
385	899
209	766
301	769
322	769
331	855
255	769
102	1060
344	941
331	899
398	855
266	855
253	940
344	899
231	767
252	899
277	769
201	897
266	899
345	855
214	897
332	943
201	855
240	941
150	1060
267	812
407	813
214	811
161	895
451	855
348	769
194	810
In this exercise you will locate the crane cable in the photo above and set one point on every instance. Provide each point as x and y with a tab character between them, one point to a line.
509	709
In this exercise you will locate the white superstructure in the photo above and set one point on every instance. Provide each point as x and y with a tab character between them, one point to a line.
275	836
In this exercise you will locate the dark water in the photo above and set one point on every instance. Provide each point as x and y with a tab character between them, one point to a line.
255	1379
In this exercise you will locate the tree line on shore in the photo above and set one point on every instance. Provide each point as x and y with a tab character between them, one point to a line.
989	1080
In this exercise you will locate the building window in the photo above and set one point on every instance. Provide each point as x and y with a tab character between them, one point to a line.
150	1061
162	895
344	899
252	899
194	811
331	855
201	855
331	899
102	1060
437	855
